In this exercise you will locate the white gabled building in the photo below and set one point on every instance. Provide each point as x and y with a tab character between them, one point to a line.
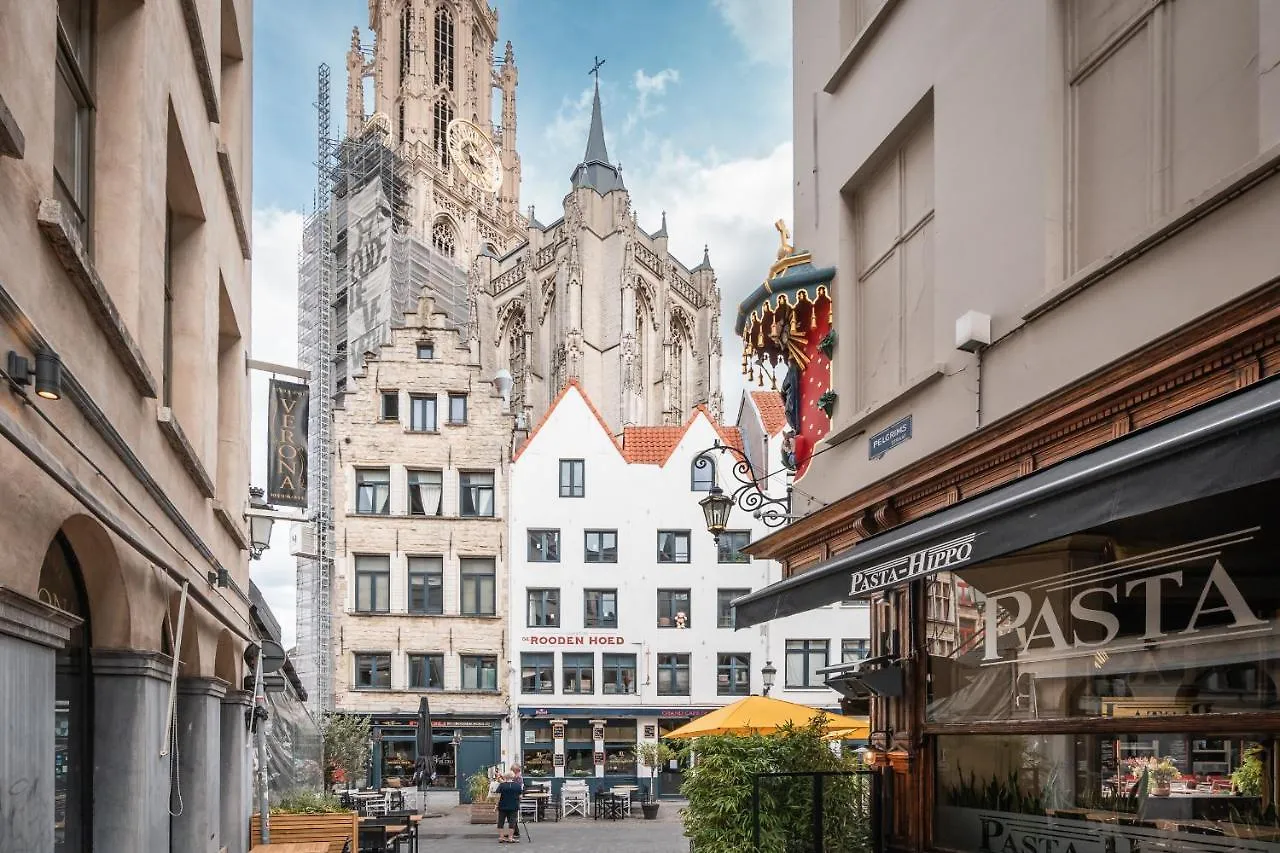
620	628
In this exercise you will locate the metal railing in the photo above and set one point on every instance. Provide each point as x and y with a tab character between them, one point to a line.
843	810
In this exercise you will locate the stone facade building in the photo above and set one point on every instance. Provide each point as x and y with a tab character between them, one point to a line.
1047	234
125	169
593	297
423	447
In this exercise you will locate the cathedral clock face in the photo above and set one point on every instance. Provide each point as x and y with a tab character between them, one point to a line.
475	155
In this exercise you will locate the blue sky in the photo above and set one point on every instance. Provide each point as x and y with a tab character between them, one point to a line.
697	108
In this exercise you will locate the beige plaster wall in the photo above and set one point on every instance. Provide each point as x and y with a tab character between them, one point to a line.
144	64
991	76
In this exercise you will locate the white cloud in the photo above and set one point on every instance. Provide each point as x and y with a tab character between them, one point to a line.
568	130
762	26
277	235
649	88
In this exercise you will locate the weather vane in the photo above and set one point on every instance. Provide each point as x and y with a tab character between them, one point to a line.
595	69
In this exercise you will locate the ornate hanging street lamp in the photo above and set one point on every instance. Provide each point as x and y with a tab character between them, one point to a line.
717	505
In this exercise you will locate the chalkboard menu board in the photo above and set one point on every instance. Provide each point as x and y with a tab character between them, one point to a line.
1175	747
1107	760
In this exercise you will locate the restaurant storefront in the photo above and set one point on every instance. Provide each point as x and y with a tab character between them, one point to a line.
1118	689
597	744
460	745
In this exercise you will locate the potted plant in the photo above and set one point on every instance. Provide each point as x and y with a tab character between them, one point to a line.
1163	771
347	738
653	755
484	807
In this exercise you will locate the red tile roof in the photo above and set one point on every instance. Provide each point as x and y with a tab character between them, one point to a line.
653	445
773	415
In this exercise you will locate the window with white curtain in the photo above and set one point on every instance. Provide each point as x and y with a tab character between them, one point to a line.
425	491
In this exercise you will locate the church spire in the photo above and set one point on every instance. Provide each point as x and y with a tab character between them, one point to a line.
595	171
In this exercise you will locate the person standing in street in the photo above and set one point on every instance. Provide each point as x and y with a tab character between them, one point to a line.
518	774
509	791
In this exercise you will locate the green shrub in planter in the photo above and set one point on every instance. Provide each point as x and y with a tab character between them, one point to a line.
719	789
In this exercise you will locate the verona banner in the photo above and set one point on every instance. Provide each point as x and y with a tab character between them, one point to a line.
287	444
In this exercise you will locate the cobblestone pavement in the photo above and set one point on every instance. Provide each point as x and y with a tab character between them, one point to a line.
454	833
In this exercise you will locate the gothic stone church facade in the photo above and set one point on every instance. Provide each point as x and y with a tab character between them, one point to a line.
593	297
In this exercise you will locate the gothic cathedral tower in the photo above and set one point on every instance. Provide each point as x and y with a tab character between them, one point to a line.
596	299
434	76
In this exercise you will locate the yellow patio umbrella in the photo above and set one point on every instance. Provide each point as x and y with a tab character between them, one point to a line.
764	715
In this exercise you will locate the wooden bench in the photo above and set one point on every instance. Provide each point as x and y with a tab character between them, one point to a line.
337	829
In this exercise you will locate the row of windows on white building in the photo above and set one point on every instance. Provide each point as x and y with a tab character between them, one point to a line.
616	675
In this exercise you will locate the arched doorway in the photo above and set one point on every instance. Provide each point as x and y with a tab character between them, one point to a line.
62	586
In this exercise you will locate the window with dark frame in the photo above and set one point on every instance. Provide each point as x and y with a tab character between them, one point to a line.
578	673
373	671
422	413
702	474
544	546
804	659
457	409
426	672
390	406
373	491
537	672
730	545
855	650
733	675
73	113
426	585
618	674
544	608
373	583
673	608
600	546
425	491
724	612
600	608
477	582
673	546
475	494
426	350
572	478
673	675
479	672
444	49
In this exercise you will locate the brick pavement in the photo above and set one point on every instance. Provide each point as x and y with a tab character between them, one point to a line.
454	833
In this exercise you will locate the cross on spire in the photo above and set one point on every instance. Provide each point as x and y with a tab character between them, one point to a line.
595	69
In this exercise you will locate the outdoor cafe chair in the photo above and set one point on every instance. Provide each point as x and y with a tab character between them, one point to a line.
573	800
374	838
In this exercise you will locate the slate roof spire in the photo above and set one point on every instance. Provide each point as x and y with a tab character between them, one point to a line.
595	171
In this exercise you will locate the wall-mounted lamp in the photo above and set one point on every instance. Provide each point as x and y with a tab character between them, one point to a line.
260	523
48	373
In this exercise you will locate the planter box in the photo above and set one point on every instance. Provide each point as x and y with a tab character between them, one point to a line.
482	813
335	828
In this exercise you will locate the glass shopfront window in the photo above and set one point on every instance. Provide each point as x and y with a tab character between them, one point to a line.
620	748
579	750
537	758
398	756
1125	681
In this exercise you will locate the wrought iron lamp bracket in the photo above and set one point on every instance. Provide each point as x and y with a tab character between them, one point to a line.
748	494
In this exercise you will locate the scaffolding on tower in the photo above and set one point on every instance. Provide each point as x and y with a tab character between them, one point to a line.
361	268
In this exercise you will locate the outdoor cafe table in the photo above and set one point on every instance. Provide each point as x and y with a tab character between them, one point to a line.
541	798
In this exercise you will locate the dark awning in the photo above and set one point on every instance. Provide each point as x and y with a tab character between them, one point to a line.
1216	448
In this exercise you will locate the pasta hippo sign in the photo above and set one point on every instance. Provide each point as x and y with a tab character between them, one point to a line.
1092	613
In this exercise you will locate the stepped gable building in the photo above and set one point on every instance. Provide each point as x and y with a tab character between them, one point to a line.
595	298
419	591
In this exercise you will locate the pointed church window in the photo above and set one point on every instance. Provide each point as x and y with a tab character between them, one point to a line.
443	239
444	49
